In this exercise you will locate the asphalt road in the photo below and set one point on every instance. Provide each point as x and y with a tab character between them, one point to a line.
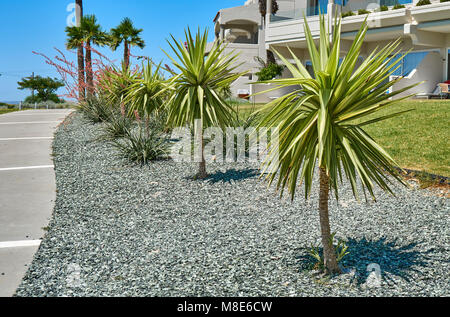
27	189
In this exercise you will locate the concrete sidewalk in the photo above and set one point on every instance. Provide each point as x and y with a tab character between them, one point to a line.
27	189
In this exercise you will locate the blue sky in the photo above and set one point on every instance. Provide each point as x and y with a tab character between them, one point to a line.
30	25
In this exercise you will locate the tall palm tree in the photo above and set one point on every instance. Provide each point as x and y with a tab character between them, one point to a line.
263	7
127	34
88	33
196	88
80	53
322	124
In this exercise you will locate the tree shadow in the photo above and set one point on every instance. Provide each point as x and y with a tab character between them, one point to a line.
232	175
392	257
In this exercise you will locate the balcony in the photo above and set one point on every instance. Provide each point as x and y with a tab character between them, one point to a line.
296	9
289	27
432	12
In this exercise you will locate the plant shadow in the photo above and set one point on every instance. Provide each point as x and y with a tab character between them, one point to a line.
393	258
232	175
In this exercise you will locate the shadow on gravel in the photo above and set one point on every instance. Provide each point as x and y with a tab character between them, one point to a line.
393	258
232	175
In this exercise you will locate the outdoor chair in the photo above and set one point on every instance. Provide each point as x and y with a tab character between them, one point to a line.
445	91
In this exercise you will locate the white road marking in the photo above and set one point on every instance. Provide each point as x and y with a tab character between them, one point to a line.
26	168
31	138
20	244
16	114
36	122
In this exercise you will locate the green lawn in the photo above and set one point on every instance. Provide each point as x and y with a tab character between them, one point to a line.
3	111
418	140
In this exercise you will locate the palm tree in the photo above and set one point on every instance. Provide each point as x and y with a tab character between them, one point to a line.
127	34
322	124
263	7
80	53
196	88
88	33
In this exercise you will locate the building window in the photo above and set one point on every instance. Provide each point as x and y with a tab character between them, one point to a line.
317	6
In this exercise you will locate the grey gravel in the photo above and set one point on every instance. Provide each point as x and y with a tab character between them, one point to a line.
154	231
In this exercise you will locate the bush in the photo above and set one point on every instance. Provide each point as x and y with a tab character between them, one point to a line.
7	106
142	145
423	3
114	83
96	110
270	72
398	6
442	1
117	127
384	8
348	14
363	11
37	99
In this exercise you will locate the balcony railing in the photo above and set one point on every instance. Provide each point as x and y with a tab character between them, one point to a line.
296	9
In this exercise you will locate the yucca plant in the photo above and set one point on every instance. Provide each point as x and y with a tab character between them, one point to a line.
322	124
196	88
95	110
114	83
144	94
116	127
142	144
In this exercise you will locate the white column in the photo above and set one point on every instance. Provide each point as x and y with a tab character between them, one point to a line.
222	32
445	62
269	12
78	15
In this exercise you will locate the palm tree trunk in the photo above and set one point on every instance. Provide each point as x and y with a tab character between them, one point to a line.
89	70
202	165
329	254
81	78
126	55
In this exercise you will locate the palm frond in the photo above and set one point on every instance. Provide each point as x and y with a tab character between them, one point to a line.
322	123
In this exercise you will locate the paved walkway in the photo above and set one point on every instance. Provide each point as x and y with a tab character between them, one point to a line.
27	189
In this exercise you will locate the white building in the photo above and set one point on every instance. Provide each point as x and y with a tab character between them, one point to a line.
423	29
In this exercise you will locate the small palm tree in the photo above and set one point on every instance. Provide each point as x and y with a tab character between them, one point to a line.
127	34
144	94
322	124
196	88
88	33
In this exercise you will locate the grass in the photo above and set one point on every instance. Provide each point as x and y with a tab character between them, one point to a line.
417	140
4	111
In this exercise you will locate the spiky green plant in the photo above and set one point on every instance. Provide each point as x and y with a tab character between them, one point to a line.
114	83
116	127
142	144
95	110
196	89
144	94
322	124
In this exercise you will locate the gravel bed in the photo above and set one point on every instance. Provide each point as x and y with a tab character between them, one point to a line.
122	230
